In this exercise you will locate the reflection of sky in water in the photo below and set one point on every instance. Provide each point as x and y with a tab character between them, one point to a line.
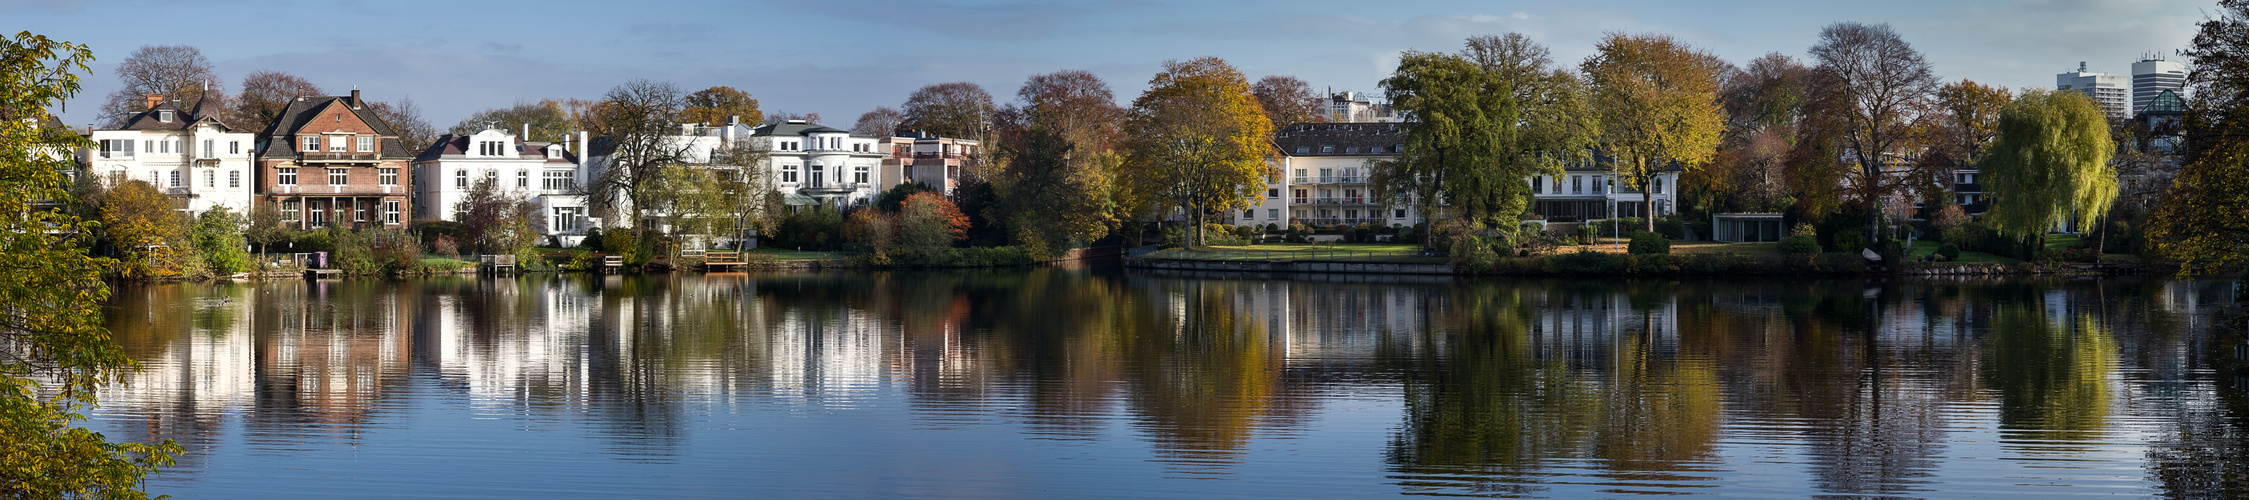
1059	383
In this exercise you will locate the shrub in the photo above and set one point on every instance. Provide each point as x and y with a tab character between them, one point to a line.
1587	234
1948	252
1653	263
1671	227
1848	240
1588	262
1799	244
2081	254
1647	243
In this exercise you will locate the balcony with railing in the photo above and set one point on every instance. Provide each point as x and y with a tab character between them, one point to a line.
829	188
337	157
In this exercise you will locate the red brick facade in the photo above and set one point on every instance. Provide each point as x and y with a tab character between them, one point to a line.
352	172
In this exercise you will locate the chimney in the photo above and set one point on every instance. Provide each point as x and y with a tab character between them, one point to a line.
734	120
155	99
355	98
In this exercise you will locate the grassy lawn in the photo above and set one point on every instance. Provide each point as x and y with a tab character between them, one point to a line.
1367	252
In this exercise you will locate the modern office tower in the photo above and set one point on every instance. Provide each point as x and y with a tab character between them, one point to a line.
2152	75
2104	88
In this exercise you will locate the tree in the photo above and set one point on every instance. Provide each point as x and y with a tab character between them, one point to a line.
927	221
405	118
2049	162
1657	100
1288	100
879	233
1968	120
958	109
546	118
632	177
1055	162
217	241
139	220
264	95
732	195
1875	89
497	220
2203	220
265	227
1046	199
51	293
715	106
786	116
882	122
1763	103
1197	140
178	72
1476	127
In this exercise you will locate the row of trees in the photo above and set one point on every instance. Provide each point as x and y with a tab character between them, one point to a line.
1867	129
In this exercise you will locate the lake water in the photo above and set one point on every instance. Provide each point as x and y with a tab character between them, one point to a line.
1098	383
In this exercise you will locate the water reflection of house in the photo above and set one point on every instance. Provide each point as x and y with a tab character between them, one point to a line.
330	348
1585	325
197	352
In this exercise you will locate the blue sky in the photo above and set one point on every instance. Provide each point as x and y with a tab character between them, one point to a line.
840	58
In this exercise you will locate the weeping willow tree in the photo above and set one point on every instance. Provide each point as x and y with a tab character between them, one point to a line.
2049	162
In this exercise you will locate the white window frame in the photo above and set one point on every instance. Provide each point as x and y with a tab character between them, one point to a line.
285	176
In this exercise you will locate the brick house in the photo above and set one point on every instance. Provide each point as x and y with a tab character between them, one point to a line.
328	160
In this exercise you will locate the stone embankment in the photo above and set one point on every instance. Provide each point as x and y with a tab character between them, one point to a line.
1289	267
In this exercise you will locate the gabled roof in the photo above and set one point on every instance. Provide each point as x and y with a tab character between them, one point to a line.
300	113
458	146
206	109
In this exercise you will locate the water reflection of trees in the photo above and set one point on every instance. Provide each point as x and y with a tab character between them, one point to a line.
1504	384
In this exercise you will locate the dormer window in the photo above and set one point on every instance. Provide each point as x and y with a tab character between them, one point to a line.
164	116
1327	149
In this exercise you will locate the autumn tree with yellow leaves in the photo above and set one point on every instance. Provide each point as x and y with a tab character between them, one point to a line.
1657	99
1197	141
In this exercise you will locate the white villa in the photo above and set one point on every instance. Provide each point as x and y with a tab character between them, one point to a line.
546	173
199	161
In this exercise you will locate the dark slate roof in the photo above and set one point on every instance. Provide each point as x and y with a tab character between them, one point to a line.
302	110
1340	139
205	109
457	145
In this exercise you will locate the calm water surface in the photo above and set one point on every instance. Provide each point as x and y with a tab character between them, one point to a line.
1097	383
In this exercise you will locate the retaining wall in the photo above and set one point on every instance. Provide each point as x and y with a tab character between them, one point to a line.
1289	266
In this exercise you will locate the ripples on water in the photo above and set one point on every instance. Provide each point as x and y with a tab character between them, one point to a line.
1078	383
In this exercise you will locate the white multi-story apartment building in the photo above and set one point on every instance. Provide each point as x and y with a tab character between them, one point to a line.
1325	171
201	162
2104	88
2152	75
546	173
